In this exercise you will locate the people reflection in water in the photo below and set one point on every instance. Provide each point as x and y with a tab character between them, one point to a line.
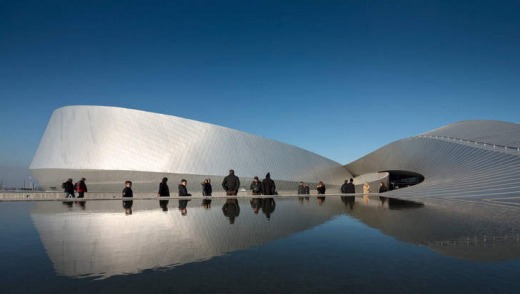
256	204
320	199
206	203
383	200
68	204
127	205
163	204
183	192
82	204
268	206
231	210
349	201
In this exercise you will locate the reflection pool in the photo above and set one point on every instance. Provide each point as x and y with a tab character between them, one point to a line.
261	245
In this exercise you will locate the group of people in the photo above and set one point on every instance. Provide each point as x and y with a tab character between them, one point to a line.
230	184
71	188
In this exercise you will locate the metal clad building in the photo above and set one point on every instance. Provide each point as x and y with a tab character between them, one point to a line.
108	145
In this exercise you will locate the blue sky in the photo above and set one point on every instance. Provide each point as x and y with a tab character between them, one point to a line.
339	78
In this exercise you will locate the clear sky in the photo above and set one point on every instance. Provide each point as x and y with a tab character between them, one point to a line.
339	78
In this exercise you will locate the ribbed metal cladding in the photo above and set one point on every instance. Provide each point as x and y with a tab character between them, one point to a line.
83	140
455	162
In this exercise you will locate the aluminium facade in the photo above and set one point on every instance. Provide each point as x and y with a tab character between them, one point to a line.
108	145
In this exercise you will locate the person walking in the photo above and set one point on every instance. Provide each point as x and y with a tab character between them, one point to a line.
382	188
68	188
164	190
256	186
268	185
183	190
231	184
321	188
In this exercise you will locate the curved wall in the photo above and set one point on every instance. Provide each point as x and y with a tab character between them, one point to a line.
455	168
108	145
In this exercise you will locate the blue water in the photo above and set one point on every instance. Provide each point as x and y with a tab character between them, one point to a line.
302	247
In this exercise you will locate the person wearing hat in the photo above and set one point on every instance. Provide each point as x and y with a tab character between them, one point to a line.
268	185
81	188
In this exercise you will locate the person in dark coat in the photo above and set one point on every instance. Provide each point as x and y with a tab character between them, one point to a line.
307	190
268	185
81	188
301	189
344	187
256	186
164	191
68	188
183	192
350	188
231	183
207	190
382	188
127	191
321	188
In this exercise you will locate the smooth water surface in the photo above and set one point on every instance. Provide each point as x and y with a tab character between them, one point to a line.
275	245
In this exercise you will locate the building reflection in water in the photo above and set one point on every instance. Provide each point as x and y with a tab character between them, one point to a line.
100	241
462	230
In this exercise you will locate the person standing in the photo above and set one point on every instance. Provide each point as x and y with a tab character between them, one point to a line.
301	189
344	187
207	190
268	185
382	188
183	191
321	188
127	191
164	190
256	186
366	188
350	188
231	184
307	190
81	188
68	188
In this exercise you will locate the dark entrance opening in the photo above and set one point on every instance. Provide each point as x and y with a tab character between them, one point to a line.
399	179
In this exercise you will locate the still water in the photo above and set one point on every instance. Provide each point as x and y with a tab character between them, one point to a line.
274	245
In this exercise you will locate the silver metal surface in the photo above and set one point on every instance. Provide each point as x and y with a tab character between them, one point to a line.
456	168
109	145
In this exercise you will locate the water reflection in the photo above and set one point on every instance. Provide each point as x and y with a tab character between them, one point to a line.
127	205
101	241
458	229
163	204
231	210
98	240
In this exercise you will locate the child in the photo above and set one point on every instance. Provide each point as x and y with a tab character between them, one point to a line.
127	191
